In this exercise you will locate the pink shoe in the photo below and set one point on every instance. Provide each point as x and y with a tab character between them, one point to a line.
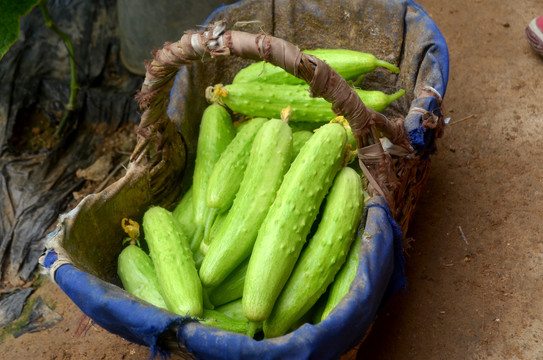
534	32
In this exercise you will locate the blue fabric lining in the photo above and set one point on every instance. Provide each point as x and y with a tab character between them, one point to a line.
116	310
397	280
422	139
50	257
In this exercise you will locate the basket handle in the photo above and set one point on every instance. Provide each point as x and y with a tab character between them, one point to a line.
216	41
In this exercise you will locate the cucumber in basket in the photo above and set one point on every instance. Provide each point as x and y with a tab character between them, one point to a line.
216	132
284	230
175	268
268	162
348	63
323	256
184	214
227	173
231	288
217	223
299	138
267	100
344	278
136	270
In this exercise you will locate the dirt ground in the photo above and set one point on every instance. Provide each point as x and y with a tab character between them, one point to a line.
475	266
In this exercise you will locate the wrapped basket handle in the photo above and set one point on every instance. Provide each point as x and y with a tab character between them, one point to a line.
324	82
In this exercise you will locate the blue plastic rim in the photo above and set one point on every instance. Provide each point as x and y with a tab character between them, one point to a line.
380	271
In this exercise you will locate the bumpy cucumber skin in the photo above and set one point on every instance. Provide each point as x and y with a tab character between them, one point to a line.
137	273
323	256
299	138
267	100
228	171
231	288
216	132
269	160
344	278
285	228
347	63
184	214
175	268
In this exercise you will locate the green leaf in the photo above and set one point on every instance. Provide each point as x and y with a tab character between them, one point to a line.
11	12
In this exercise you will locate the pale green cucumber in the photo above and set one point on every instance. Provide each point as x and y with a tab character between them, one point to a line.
184	214
231	288
323	256
137	273
268	162
175	268
221	321
208	238
267	100
228	171
224	181
216	132
299	138
232	309
344	278
309	126
318	308
287	224
198	258
348	63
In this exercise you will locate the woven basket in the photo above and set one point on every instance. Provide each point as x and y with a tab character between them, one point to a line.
82	252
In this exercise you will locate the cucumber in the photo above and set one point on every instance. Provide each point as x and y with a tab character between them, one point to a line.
175	268
348	63
289	219
184	214
228	171
322	257
231	288
299	138
344	278
221	321
268	162
216	132
137	274
267	100
198	258
223	183
232	309
208	238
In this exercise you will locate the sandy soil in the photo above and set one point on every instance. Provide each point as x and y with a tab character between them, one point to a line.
474	269
478	297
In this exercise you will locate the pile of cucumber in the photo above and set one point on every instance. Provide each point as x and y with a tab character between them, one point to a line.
266	237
